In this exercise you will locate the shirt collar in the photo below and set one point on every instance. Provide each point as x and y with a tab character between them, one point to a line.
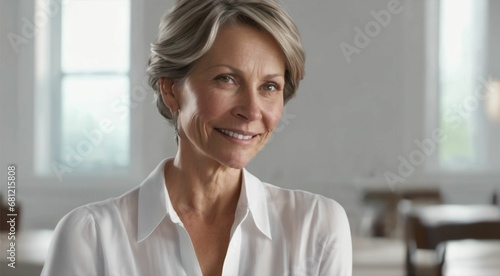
254	197
154	202
152	206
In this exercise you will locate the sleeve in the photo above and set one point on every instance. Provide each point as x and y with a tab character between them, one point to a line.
75	248
337	257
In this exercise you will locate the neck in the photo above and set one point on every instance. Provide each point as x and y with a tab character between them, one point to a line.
202	187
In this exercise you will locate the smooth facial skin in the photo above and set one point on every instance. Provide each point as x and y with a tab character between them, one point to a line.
232	100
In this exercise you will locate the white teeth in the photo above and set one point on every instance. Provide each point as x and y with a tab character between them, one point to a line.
235	135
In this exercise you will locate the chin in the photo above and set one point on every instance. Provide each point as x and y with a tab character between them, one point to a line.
235	162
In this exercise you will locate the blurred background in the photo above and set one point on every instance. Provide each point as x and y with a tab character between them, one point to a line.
398	119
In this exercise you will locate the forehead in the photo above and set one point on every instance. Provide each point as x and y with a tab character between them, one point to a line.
242	45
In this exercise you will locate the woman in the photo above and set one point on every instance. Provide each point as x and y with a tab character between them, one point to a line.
222	71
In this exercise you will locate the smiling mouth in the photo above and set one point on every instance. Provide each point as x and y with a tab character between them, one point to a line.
235	135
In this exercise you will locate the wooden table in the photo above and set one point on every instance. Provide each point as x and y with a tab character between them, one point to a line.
432	225
381	207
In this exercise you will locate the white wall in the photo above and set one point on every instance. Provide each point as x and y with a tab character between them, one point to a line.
344	130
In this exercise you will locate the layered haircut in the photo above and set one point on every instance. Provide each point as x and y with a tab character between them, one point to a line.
189	29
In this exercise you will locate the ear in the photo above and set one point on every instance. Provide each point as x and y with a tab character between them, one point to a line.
169	94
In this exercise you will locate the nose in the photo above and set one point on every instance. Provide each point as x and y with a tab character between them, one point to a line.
248	106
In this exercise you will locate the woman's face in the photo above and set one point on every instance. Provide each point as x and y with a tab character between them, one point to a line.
233	99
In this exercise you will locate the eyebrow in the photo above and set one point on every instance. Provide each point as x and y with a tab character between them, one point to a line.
241	73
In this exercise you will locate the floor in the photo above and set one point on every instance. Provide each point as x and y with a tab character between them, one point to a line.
377	256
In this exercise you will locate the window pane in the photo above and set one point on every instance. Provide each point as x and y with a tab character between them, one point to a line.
460	69
95	122
95	35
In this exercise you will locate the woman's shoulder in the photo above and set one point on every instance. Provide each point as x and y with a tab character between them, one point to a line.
301	203
86	228
314	218
101	211
299	198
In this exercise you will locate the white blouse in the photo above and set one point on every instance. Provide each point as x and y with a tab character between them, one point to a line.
276	232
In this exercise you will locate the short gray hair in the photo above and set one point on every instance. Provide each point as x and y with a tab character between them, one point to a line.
189	29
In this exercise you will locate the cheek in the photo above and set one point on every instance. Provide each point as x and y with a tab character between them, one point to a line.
210	108
274	116
201	109
197	102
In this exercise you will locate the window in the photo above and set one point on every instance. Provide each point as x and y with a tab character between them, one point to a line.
82	83
462	83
